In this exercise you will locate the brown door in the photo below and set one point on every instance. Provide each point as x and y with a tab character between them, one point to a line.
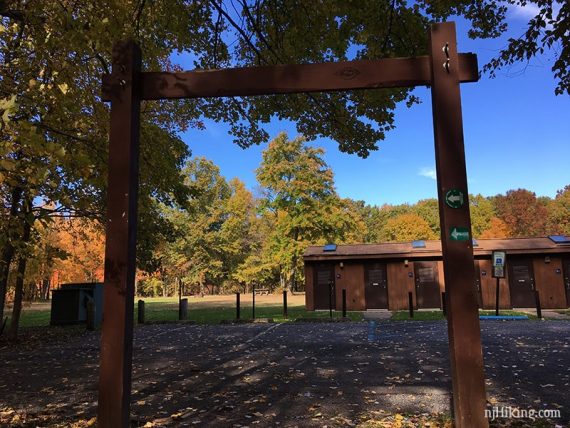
427	285
324	286
566	267
521	281
478	284
376	286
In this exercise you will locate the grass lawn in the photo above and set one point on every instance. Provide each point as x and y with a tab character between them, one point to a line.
206	310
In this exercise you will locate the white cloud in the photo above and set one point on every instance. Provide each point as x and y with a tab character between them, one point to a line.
528	11
427	172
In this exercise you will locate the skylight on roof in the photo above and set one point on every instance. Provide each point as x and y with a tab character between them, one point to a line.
559	239
329	247
475	243
418	244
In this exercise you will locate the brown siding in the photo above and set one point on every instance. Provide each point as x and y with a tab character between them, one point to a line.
549	284
309	295
489	287
352	279
399	284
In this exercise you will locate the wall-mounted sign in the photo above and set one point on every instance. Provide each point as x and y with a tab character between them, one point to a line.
454	198
410	274
459	233
499	263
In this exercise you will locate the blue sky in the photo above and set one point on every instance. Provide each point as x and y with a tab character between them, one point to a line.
517	135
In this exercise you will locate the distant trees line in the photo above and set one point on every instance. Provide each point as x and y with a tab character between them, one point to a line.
224	238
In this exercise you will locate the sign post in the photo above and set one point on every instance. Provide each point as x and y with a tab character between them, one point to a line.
443	69
499	262
466	356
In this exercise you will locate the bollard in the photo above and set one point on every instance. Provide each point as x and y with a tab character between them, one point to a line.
344	302
237	307
183	310
497	298
141	312
253	303
411	303
91	315
443	307
285	304
330	298
538	308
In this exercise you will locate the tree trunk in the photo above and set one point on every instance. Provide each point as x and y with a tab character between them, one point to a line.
45	289
19	293
8	250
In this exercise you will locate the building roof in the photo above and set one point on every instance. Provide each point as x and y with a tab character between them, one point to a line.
481	247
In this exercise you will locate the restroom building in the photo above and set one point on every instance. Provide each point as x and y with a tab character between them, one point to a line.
380	276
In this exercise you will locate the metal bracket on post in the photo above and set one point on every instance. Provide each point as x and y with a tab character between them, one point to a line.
120	245
468	378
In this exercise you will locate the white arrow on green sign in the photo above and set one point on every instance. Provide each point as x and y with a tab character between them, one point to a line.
454	198
459	234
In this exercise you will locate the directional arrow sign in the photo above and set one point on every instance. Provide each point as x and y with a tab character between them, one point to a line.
454	198
459	234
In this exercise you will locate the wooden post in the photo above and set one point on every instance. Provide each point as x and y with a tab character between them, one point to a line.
183	310
537	301
330	299
344	302
91	315
140	311
122	192
411	304
253	303
466	356
285	304
237	307
497	298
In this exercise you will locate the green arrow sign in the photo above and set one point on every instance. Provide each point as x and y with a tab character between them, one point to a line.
459	234
454	198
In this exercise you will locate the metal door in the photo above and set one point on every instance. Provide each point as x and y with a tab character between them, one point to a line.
427	285
376	286
324	286
521	281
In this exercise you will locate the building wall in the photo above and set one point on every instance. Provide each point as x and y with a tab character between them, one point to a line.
399	284
489	287
549	281
309	287
548	278
351	278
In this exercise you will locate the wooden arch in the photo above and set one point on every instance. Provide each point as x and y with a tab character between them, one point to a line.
443	69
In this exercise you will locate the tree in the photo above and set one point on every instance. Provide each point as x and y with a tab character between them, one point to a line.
408	227
299	195
482	212
559	212
195	256
497	229
53	144
523	214
428	209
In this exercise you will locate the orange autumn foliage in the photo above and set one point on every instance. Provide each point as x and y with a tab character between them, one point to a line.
84	243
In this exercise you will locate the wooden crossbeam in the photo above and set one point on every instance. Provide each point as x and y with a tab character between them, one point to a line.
287	79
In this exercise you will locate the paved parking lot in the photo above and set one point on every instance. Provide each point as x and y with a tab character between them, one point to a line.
291	374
